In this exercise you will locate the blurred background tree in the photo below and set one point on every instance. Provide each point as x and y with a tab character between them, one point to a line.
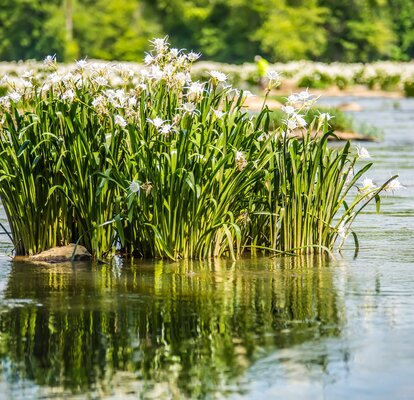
231	31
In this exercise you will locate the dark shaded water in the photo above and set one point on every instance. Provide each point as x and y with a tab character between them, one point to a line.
307	328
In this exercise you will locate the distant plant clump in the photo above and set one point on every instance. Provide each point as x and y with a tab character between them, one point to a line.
151	163
387	76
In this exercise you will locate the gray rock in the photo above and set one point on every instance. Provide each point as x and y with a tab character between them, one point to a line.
349	107
63	253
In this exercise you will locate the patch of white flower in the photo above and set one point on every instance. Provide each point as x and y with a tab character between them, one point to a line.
393	186
363	152
157	122
120	120
218	76
240	160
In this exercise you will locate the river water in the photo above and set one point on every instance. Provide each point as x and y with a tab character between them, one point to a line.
280	328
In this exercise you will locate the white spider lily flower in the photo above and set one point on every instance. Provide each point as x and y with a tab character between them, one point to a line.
156	73
367	185
181	78
101	81
55	78
149	59
273	75
132	101
69	95
240	160
166	129
192	56
145	74
195	89
5	79
27	84
119	120
274	79
117	81
169	71
81	64
304	95
98	102
300	121
367	182
134	187
157	122
291	124
46	86
247	94
263	136
4	101
189	108
174	52
116	98
324	117
343	230
142	87
393	186
292	99
28	74
69	78
349	177
363	152
160	44
50	60
218	76
15	97
289	110
219	114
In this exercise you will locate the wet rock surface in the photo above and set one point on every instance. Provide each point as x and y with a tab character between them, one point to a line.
63	253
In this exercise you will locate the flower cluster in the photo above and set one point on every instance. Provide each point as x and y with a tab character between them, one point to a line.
159	147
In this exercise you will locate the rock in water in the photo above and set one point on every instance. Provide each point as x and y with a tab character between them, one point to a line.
63	253
349	107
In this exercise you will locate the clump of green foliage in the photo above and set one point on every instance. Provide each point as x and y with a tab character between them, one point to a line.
339	121
154	164
409	88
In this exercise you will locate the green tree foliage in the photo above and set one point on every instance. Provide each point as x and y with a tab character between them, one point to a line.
114	29
292	33
222	30
402	15
359	30
24	29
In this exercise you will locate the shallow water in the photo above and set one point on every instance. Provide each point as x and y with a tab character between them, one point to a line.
308	328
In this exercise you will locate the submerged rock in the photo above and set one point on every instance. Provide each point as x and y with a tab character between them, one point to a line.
349	107
63	253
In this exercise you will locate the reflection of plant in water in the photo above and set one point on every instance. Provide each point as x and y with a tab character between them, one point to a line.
191	329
